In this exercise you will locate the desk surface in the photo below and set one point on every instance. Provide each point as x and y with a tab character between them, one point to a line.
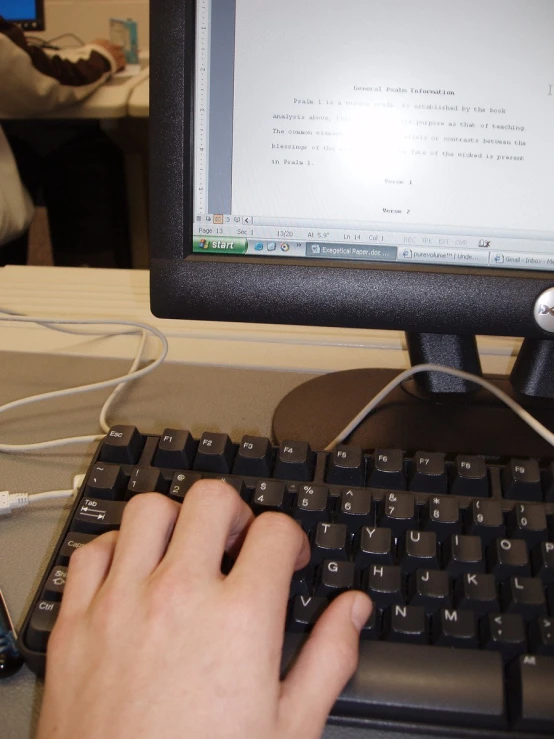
139	102
237	400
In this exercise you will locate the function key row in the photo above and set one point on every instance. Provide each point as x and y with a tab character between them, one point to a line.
425	472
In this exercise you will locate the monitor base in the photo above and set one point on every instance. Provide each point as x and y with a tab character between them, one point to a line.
474	423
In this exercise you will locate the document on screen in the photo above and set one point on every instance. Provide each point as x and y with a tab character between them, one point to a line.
396	112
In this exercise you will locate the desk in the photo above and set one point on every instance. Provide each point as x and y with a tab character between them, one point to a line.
139	101
222	377
237	400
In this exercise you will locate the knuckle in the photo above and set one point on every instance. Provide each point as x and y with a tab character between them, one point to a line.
148	503
279	525
212	492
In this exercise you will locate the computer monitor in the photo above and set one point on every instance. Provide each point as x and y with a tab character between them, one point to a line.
29	14
357	164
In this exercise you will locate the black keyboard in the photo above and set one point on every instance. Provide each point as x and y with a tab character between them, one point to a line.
457	553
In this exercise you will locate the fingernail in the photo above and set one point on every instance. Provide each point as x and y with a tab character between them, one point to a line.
361	610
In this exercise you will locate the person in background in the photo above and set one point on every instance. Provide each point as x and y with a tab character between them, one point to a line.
77	169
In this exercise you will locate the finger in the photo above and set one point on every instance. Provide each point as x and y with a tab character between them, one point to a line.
325	664
213	517
274	548
88	569
146	528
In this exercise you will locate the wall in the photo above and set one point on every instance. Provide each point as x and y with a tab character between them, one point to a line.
89	18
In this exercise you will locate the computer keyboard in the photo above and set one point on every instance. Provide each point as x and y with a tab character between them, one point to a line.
456	551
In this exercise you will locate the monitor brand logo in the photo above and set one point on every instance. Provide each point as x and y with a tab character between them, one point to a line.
544	310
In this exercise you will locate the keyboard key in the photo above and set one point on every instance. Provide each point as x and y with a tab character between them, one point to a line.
234	482
470	476
254	457
521	480
509	558
346	465
269	495
549	483
429	473
335	577
464	554
398	513
406	624
295	461
392	682
97	516
215	453
442	516
455	629
305	612
486	520
311	506
419	550
41	624
329	542
176	450
541	636
373	546
72	541
477	592
530	693
430	589
383	584
181	483
122	445
543	562
355	509
145	480
55	584
105	481
524	595
388	470
528	521
504	633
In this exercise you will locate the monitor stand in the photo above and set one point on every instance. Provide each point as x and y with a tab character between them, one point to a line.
431	413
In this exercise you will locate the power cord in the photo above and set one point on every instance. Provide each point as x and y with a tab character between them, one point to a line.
12	501
536	425
118	383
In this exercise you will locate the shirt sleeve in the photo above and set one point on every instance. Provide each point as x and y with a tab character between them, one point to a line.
16	208
33	82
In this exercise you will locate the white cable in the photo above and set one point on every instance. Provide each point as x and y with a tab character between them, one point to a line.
115	392
537	426
117	382
11	501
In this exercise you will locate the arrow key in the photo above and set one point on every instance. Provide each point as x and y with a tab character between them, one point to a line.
97	516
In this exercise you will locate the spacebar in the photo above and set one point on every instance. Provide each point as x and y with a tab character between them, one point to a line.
409	682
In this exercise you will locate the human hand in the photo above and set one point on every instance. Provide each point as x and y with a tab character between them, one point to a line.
115	51
153	641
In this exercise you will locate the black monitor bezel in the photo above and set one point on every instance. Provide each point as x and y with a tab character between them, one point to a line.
183	285
37	23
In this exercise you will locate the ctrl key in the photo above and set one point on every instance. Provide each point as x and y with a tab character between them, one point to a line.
41	624
532	678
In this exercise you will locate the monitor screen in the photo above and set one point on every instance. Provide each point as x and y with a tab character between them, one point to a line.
376	131
368	163
29	14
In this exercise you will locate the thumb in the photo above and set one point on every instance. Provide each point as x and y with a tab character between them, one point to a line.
326	663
